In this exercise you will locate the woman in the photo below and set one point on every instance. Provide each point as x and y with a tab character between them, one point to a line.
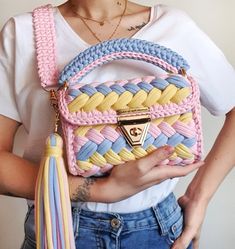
81	23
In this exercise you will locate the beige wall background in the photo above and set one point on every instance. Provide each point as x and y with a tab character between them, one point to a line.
217	19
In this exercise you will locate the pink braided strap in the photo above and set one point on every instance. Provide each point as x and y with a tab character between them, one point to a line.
45	36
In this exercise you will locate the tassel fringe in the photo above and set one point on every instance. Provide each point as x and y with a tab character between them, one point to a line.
53	216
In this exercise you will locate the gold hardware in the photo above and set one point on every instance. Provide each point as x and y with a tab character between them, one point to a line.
54	104
135	131
182	71
65	86
134	124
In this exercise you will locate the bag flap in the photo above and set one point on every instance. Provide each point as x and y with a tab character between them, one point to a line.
98	103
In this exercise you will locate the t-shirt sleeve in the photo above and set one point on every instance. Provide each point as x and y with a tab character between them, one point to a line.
213	72
8	105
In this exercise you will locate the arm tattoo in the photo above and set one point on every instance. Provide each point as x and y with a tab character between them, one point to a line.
82	193
137	27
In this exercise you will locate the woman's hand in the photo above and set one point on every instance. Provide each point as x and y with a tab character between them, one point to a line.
130	178
194	214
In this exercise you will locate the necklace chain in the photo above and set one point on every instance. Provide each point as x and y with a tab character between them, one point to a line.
101	23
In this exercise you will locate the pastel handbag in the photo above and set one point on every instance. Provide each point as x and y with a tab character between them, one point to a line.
110	123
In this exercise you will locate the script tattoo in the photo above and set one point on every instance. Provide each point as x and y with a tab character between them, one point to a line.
137	27
82	192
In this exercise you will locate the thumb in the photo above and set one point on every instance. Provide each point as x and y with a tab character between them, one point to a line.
183	200
184	240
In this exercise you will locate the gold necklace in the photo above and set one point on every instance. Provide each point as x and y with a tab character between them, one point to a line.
101	23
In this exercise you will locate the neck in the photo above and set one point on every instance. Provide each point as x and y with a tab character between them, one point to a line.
98	9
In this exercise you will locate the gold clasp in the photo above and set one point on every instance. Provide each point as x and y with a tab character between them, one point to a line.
134	124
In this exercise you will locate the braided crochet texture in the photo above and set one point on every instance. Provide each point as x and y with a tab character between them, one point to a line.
94	140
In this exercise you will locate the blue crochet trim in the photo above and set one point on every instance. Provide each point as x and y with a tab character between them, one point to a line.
120	45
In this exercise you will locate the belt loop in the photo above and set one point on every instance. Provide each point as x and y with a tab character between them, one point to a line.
160	220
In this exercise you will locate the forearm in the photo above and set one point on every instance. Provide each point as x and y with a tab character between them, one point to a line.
18	178
93	190
218	163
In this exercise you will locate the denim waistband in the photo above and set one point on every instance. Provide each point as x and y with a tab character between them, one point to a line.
160	216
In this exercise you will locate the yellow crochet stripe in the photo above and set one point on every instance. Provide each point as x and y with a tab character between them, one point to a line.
78	102
152	97
167	94
124	156
171	119
183	152
108	101
181	95
123	101
98	159
138	99
113	158
98	101
186	117
85	165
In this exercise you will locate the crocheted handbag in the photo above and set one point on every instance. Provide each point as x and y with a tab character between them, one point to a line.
109	123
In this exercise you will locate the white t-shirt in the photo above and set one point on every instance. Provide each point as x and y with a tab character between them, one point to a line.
23	99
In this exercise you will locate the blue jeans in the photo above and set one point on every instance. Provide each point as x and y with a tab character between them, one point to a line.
155	228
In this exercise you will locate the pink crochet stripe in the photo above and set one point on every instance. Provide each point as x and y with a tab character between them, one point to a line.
133	55
45	39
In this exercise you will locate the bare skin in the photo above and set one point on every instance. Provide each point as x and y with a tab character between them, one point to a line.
135	18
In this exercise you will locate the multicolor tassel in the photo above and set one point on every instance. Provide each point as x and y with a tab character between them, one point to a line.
54	228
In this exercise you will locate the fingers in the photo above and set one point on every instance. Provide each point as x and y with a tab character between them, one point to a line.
183	200
155	157
184	240
161	173
178	171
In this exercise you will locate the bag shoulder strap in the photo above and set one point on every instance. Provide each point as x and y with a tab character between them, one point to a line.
45	44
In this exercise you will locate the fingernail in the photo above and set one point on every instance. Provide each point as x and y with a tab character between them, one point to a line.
169	149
